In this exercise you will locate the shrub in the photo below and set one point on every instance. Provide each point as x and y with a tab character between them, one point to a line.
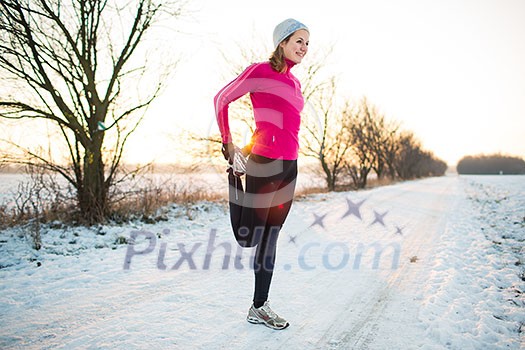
491	164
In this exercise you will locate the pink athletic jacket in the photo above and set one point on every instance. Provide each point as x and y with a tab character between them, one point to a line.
277	103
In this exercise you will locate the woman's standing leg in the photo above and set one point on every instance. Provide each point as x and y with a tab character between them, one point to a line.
265	254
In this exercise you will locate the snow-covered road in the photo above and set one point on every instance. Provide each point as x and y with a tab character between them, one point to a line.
428	264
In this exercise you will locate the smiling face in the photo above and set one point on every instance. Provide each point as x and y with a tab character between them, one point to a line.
297	46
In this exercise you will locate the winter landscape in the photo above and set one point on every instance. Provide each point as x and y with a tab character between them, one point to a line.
404	118
426	264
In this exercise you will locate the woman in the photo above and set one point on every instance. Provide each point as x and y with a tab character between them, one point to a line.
258	214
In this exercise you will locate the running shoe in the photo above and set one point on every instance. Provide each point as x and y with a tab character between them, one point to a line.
266	316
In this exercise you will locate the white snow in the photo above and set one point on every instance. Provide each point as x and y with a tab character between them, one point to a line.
428	264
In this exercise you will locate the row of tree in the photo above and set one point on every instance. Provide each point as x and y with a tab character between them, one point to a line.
353	139
356	140
491	164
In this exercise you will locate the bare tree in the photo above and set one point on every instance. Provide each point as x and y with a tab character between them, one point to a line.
429	165
327	134
384	140
389	149
409	156
364	137
70	63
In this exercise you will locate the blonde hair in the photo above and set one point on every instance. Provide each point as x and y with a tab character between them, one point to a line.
277	58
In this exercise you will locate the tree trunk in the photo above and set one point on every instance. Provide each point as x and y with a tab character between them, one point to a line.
329	175
330	183
379	170
363	177
93	192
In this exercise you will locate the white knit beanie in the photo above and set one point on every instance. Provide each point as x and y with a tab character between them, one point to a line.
286	28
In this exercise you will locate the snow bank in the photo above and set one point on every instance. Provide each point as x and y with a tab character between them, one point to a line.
426	264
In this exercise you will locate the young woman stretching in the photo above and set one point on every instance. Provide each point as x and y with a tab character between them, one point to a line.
258	213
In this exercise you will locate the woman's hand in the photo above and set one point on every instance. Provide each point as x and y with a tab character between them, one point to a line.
228	151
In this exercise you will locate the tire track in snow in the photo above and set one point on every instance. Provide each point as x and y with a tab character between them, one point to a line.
351	330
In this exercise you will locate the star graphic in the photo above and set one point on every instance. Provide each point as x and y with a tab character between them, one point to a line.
319	220
379	218
353	208
399	231
292	239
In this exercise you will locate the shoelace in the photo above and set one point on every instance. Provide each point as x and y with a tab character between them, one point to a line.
239	167
269	311
239	163
236	194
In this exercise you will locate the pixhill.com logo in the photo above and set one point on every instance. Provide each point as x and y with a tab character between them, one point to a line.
311	253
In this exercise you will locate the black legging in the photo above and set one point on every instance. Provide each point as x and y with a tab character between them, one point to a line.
258	214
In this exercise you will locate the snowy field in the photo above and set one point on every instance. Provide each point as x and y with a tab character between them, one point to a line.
429	264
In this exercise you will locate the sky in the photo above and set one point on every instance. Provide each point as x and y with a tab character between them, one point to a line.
451	71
